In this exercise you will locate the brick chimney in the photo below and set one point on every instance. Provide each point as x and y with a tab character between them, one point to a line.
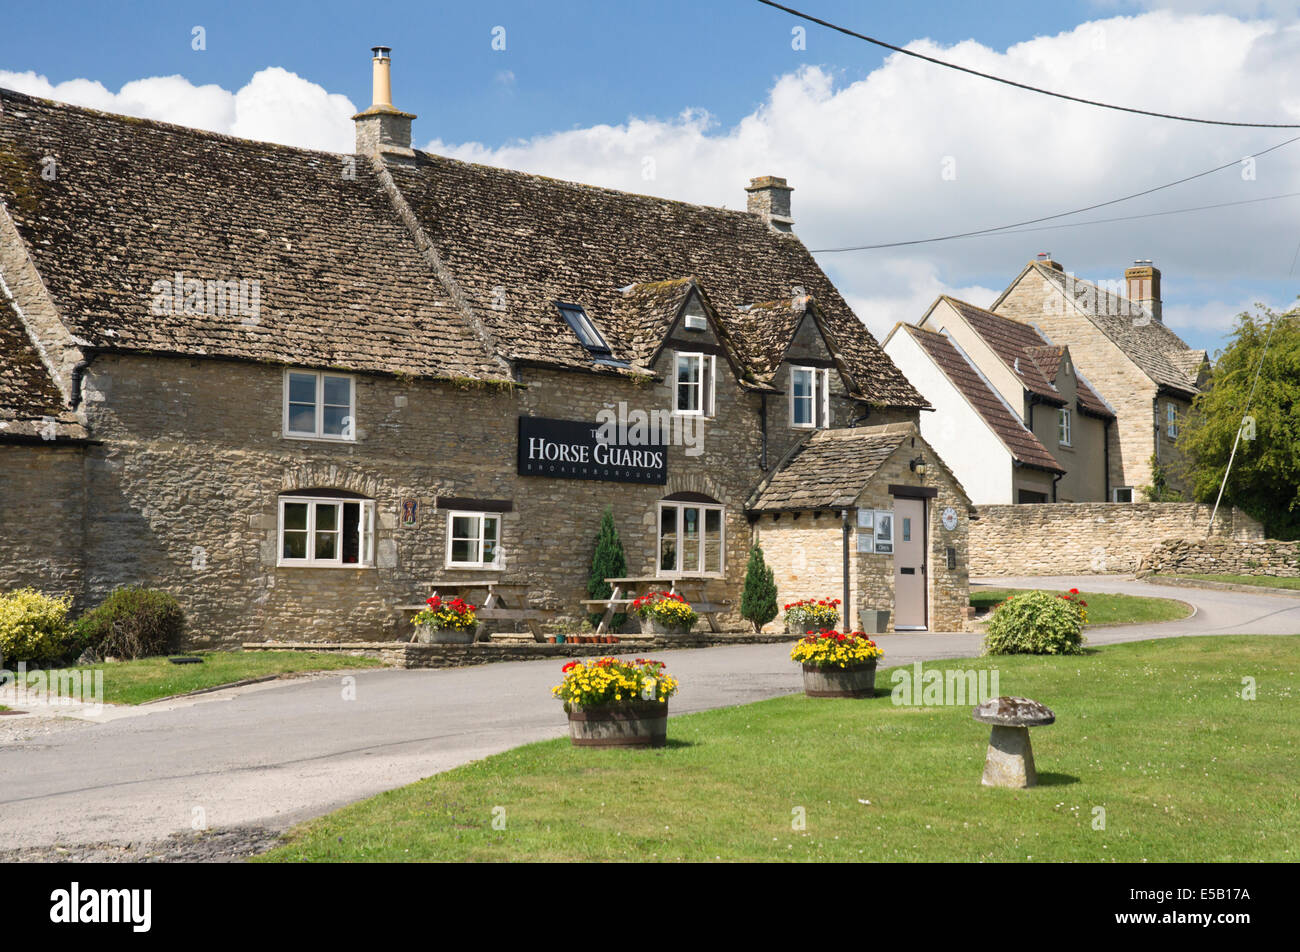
383	130
1045	258
769	199
1142	286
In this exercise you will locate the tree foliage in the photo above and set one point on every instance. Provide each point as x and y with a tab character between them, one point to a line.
1265	477
607	562
758	598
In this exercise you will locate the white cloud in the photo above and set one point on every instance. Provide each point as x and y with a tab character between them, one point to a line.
275	106
867	158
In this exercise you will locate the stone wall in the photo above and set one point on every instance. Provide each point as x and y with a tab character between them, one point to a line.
1225	557
1090	538
41	512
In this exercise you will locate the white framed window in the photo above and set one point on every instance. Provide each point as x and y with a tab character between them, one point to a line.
327	531
473	540
319	406
1171	420
1121	494
691	539
694	384
810	398
1063	427
876	531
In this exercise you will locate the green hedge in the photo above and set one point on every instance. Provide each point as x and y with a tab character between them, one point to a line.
131	623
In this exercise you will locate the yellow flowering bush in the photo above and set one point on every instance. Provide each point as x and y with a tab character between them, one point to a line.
832	649
667	608
612	680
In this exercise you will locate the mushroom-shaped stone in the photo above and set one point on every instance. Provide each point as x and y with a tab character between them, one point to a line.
1010	760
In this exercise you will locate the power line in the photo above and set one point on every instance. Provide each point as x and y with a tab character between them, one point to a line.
1025	86
1170	211
1037	221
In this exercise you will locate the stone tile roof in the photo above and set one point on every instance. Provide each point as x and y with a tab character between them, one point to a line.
528	241
134	202
830	468
29	400
1009	429
1154	348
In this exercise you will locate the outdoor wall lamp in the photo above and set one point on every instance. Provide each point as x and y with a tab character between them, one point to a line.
918	466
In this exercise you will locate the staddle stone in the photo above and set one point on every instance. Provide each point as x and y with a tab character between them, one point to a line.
1010	759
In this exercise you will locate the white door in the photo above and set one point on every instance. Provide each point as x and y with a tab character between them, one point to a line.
909	565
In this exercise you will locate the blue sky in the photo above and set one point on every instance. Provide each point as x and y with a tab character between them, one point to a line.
716	92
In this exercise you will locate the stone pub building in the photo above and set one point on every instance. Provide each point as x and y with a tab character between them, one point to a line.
294	388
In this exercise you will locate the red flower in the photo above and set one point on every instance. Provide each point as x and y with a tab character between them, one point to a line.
1083	603
568	667
1074	591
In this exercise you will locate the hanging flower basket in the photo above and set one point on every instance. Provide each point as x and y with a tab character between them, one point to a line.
616	703
836	664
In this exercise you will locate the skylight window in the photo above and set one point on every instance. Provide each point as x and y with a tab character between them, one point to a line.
586	331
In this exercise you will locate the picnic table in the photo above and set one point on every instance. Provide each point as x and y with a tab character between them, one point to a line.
493	607
689	587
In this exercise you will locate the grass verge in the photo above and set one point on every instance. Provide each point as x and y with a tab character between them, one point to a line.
1154	733
1261	581
1103	608
134	682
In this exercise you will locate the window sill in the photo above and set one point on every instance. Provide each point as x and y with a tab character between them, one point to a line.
319	439
472	567
321	565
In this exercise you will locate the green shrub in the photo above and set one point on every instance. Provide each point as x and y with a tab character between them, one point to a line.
607	562
33	627
1036	623
131	623
758	598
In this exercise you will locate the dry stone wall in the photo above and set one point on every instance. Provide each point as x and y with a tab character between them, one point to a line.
1090	538
1225	557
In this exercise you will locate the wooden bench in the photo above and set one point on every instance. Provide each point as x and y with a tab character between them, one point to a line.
686	587
494	607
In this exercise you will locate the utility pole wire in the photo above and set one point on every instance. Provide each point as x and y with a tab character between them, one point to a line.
1024	86
1076	211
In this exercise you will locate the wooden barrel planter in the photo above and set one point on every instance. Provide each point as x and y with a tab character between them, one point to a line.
635	724
859	681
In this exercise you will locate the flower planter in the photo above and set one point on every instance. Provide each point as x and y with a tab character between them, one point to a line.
858	681
427	635
625	724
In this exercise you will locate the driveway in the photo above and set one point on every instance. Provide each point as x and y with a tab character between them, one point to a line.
272	754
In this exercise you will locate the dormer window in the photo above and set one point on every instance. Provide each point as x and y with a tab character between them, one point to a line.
587	333
694	384
810	398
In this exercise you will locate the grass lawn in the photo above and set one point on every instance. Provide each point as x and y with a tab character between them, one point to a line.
134	682
1264	581
1103	608
1154	732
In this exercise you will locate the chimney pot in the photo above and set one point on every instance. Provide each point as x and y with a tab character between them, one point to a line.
383	130
1142	286
769	199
